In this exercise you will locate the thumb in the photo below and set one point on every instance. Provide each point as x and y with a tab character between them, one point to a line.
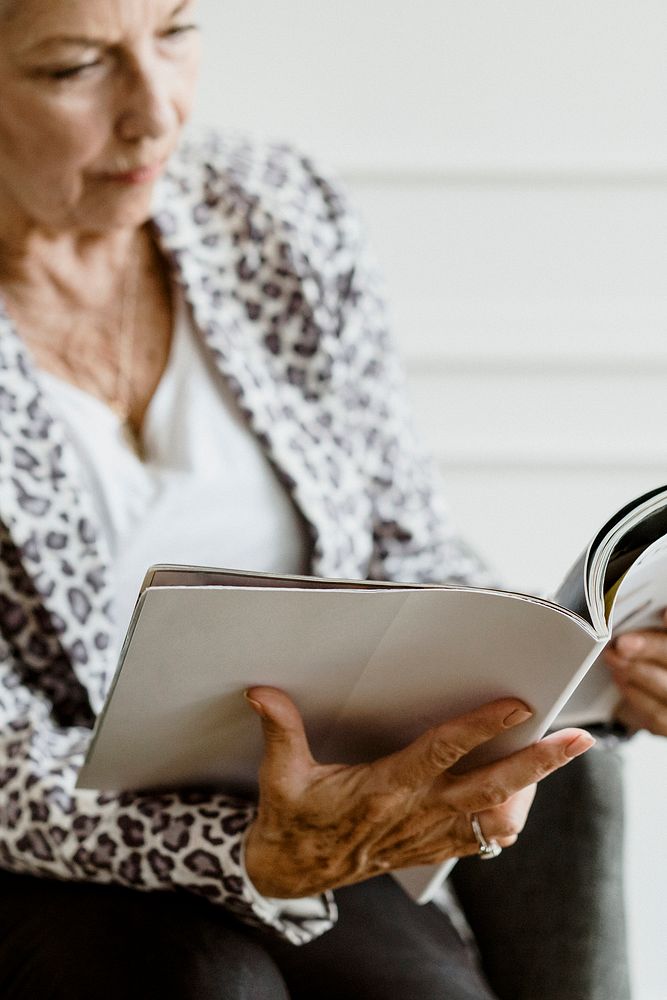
287	756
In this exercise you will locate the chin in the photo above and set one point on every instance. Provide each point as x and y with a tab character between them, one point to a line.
126	211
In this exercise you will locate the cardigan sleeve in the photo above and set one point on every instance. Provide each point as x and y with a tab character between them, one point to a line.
191	841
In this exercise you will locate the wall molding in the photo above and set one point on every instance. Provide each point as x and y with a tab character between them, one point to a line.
475	461
452	365
522	175
437	334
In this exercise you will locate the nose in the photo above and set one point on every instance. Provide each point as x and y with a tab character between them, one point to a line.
146	111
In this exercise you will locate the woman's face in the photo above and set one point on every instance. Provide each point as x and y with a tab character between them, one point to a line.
94	94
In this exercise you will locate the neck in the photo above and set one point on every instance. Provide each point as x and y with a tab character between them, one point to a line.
78	269
40	255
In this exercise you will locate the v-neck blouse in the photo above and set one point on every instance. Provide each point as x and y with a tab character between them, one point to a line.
205	494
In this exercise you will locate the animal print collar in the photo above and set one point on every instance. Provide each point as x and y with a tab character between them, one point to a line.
44	501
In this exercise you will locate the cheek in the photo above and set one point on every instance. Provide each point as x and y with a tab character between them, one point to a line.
43	154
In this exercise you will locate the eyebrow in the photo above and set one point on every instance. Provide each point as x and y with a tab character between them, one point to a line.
92	41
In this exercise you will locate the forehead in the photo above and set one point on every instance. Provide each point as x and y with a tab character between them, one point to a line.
33	21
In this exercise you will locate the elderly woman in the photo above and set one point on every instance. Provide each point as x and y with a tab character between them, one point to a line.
194	367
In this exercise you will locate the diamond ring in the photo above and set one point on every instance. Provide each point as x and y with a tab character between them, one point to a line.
488	849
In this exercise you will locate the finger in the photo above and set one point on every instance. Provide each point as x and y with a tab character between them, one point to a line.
646	677
439	748
437	835
625	714
287	757
649	646
640	711
494	829
492	785
507	822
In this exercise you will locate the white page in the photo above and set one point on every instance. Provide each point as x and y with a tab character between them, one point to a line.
178	715
470	652
639	604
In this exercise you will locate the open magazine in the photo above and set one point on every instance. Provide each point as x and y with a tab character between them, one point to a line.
618	585
371	665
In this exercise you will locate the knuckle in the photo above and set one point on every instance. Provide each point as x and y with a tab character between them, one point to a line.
547	759
275	795
443	753
274	737
486	728
510	825
505	828
491	795
274	733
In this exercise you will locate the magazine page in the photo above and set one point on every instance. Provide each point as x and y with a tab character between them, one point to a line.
209	576
636	602
572	593
643	524
618	544
399	660
441	658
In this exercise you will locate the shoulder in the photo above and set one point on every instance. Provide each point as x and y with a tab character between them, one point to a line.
222	175
263	226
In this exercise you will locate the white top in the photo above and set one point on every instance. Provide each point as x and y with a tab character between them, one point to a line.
181	504
206	493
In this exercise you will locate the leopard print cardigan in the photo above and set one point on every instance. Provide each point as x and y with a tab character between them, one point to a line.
284	296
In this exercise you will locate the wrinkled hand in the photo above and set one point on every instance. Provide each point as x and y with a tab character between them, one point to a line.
323	826
638	664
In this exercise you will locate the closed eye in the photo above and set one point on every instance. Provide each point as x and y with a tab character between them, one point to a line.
71	72
179	30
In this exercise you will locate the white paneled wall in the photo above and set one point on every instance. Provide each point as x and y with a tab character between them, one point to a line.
510	161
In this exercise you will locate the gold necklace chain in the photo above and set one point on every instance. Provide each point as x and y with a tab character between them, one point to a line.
74	346
122	402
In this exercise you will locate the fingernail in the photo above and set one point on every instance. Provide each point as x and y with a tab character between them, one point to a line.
580	745
258	707
630	645
517	716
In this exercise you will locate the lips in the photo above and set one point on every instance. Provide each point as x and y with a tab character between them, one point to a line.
142	174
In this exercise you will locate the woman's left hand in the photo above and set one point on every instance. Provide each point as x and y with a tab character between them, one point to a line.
638	664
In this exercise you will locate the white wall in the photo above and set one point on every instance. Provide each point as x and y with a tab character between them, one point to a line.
511	163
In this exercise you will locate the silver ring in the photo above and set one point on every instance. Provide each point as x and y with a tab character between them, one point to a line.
488	849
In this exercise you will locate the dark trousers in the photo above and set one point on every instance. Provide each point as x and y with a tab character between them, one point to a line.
63	941
547	916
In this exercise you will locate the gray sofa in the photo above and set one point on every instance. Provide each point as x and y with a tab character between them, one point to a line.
548	915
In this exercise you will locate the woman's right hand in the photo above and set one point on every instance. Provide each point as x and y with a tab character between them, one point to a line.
323	826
